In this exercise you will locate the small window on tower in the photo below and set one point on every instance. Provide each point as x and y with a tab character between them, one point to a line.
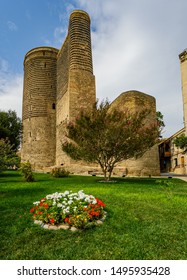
53	106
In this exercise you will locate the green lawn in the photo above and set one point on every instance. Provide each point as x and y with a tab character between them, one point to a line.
145	220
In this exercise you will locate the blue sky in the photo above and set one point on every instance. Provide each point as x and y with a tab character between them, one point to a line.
136	44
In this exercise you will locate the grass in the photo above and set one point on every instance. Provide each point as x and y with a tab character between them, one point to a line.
145	220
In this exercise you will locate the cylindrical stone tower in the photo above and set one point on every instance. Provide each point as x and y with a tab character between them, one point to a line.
183	66
80	42
39	104
75	79
81	85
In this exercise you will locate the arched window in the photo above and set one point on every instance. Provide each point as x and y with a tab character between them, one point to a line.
53	106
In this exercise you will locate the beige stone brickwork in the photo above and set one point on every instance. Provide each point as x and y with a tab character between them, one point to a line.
135	101
183	66
58	84
39	102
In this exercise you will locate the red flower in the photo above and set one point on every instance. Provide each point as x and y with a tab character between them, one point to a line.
66	220
100	202
46	205
40	213
32	210
52	220
42	199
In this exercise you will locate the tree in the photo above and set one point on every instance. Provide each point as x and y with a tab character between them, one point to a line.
181	142
160	123
107	137
8	157
11	128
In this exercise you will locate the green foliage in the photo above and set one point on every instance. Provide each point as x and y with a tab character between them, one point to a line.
8	158
26	171
59	172
11	128
181	142
160	122
107	137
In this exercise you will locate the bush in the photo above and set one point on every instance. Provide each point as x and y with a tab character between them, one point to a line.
59	172
26	171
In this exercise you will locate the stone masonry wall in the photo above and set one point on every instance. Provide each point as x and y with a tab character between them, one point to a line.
39	102
148	164
75	79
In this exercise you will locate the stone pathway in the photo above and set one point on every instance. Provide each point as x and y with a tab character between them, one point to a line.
178	176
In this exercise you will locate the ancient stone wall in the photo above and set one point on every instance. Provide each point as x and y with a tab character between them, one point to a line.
39	103
75	79
135	101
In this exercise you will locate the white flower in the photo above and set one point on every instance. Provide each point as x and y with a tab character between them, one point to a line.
59	205
66	210
90	199
66	192
81	195
94	201
49	196
36	203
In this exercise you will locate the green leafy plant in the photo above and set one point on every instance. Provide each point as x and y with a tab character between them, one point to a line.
26	170
181	142
73	209
11	128
8	157
59	172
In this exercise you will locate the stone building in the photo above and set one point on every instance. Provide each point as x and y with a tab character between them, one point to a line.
172	158
58	84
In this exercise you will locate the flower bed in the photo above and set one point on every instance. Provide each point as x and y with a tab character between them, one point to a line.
68	210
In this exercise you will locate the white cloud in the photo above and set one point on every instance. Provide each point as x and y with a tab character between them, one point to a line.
12	26
11	89
136	46
59	35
